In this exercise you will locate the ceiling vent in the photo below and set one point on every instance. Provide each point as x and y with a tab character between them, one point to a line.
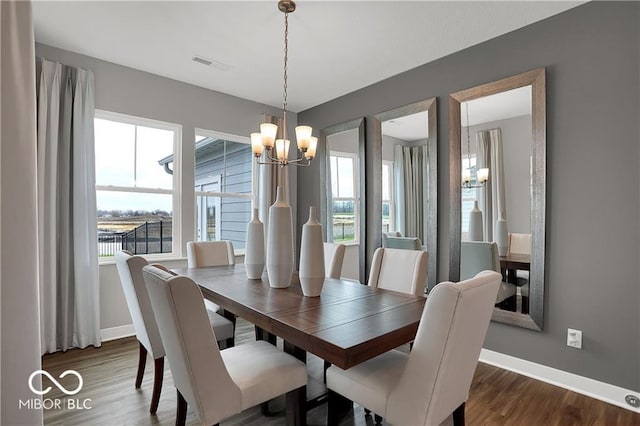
211	63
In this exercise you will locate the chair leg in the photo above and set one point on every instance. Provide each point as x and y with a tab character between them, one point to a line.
324	374
458	416
230	342
337	407
181	411
142	361
158	373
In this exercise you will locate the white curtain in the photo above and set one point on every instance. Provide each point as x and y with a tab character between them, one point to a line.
411	189
67	231
491	197
20	332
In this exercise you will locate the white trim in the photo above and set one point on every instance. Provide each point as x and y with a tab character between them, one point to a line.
573	382
114	333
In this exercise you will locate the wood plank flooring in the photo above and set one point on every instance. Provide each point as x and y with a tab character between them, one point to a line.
497	397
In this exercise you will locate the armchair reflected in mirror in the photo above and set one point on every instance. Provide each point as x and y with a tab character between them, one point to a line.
497	148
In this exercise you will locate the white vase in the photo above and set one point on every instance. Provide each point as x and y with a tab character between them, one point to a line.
501	237
254	253
312	256
475	223
280	243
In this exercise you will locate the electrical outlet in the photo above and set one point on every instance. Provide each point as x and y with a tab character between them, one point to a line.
574	338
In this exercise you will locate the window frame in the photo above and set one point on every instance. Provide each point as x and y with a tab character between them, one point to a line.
391	200
252	196
175	192
356	194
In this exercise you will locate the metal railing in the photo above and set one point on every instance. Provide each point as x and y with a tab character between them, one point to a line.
147	238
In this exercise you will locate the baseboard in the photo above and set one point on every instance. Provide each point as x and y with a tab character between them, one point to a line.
583	385
114	333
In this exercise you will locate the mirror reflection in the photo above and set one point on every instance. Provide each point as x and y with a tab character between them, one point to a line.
343	197
405	191
496	195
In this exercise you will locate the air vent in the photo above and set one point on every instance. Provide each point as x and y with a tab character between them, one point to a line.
211	63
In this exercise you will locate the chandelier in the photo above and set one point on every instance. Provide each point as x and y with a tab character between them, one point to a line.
472	177
266	139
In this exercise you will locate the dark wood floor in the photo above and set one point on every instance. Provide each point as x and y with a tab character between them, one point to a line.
497	397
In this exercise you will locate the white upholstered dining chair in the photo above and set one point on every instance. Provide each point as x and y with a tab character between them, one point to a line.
433	381
209	253
216	384
144	323
399	270
333	259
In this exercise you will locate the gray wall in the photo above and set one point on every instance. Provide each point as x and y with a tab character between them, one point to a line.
129	91
591	54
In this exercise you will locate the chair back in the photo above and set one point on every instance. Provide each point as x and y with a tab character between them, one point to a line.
445	353
399	270
405	243
519	243
135	292
209	253
333	259
197	367
476	256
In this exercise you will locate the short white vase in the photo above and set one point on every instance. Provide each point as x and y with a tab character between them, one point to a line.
475	223
501	237
280	243
312	256
254	258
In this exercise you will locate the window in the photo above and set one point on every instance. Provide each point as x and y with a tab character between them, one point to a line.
223	185
345	197
388	210
135	191
469	195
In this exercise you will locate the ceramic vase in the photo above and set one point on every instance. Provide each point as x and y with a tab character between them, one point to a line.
501	237
475	223
280	243
312	256
254	257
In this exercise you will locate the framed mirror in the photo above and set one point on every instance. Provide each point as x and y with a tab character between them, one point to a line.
497	138
343	208
406	179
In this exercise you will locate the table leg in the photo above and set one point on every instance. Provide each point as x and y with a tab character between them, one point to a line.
296	399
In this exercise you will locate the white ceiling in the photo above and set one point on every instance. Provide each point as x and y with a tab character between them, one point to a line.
334	47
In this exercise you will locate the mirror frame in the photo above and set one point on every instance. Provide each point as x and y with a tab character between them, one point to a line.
535	78
430	106
359	124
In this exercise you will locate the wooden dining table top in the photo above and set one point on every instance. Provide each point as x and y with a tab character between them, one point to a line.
347	324
516	261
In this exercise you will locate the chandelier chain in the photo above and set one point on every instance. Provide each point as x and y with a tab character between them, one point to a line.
286	60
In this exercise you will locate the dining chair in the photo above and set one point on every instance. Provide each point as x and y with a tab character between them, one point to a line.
201	254
521	244
405	243
399	270
476	256
144	323
216	384
333	259
432	382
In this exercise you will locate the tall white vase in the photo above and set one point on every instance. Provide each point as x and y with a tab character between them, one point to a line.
501	237
475	223
254	257
280	243
312	256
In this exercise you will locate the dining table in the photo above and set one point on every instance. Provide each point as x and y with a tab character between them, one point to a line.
510	264
349	323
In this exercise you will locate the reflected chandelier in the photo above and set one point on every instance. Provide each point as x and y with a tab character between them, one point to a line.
266	139
472	177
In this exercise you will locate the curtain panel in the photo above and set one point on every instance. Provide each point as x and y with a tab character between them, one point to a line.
492	195
67	228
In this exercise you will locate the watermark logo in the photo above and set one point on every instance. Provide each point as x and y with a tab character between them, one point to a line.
55	382
55	403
